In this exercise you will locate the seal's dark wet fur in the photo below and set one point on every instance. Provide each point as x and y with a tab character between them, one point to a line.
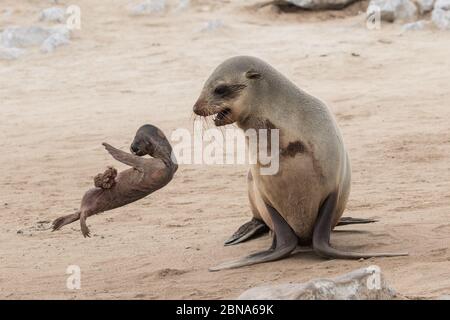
114	190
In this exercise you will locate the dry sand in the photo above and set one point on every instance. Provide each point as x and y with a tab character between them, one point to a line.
389	92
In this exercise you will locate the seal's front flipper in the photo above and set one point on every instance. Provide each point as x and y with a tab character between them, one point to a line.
322	231
248	230
349	220
126	158
284	242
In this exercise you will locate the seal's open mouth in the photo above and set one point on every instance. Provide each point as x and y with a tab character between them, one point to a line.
223	117
222	114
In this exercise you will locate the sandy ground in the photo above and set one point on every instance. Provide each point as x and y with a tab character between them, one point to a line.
389	92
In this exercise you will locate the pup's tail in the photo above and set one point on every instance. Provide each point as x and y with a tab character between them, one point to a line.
62	221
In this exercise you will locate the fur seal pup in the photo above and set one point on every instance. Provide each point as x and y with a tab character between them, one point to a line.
114	190
306	198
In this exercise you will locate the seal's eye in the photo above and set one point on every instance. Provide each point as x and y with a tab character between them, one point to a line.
221	90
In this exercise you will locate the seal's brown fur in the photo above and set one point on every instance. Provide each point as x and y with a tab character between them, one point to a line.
145	176
305	199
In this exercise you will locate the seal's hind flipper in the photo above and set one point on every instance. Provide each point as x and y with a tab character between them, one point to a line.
349	220
248	230
62	221
322	231
107	179
284	242
84	228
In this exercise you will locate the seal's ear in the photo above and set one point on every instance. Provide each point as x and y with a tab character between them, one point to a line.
252	74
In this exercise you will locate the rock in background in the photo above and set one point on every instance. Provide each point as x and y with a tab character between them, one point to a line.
14	39
407	10
425	6
11	53
441	14
148	7
392	10
58	38
53	14
418	25
362	284
320	4
47	38
415	13
24	36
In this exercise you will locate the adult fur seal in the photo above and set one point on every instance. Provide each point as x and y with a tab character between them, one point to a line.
306	198
146	176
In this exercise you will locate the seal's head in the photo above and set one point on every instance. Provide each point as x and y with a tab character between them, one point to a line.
152	141
230	91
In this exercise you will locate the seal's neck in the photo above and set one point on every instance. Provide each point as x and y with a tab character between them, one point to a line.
164	153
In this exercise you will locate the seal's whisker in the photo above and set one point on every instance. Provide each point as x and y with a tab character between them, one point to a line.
193	116
205	126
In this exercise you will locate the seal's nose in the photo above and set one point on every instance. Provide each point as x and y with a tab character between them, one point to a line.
134	148
200	107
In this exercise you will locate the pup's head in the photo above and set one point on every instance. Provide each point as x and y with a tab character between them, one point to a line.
230	91
150	140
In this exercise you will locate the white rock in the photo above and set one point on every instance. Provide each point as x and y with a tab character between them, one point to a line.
11	53
47	38
425	5
182	5
61	29
212	25
418	25
392	10
441	14
148	7
321	4
53	14
55	40
6	13
442	4
362	284
24	36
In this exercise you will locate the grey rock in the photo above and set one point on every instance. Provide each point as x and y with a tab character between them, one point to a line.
61	29
441	14
425	5
47	38
320	4
6	13
54	41
24	36
212	25
413	26
392	10
148	7
11	54
442	4
182	5
362	284
53	14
